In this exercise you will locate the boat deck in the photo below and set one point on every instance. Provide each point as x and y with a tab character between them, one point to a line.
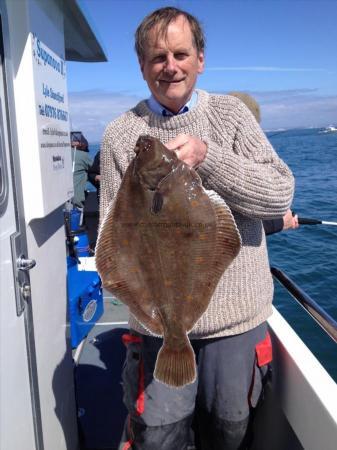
101	411
99	394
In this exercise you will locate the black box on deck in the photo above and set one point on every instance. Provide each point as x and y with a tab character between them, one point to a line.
91	217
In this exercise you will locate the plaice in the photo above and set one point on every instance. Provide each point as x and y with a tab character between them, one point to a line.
163	245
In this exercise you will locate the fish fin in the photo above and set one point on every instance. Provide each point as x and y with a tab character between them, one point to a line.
226	247
176	367
121	291
153	325
109	271
228	241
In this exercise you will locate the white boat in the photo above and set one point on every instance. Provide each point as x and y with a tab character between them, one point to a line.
39	405
329	129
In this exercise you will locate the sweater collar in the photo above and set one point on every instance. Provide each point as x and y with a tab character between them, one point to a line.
177	121
160	110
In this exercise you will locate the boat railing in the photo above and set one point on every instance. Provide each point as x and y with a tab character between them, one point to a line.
328	324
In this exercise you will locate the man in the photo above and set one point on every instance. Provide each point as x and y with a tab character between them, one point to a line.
288	222
94	173
219	137
81	163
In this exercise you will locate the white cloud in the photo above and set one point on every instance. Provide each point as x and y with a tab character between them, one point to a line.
264	69
301	109
91	111
295	108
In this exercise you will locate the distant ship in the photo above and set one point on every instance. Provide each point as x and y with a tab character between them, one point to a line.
329	129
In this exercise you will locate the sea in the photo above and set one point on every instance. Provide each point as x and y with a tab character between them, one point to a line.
308	255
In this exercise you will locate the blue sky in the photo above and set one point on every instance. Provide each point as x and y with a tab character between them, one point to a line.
282	52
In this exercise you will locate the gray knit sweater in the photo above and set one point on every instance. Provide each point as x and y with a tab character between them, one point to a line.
243	168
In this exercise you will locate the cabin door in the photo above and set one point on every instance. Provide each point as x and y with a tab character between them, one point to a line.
20	423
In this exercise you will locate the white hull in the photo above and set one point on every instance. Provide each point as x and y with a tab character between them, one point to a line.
301	406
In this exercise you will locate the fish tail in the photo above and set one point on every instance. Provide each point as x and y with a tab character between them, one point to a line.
176	367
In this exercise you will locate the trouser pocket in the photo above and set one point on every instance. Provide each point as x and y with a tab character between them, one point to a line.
261	371
133	375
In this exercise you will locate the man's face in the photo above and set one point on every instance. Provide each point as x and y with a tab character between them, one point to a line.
171	65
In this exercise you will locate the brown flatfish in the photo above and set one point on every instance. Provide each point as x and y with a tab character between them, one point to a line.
162	248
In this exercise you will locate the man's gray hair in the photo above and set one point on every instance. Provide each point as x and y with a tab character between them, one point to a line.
163	17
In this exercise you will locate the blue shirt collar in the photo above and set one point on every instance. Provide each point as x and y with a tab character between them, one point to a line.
160	110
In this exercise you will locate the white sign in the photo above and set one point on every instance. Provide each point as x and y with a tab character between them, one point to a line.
53	128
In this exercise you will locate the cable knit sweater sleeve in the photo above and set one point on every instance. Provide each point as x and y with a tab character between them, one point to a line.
242	166
114	160
107	187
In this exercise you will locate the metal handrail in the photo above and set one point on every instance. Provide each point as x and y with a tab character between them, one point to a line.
328	324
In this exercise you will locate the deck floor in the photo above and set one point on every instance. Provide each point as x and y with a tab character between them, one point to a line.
99	393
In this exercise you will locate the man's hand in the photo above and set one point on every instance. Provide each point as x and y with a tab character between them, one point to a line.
189	149
290	221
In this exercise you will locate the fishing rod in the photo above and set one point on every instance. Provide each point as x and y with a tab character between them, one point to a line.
307	221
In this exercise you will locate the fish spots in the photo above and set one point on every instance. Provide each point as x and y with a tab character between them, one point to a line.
125	242
168	283
199	260
189	234
189	298
194	203
173	206
147	297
